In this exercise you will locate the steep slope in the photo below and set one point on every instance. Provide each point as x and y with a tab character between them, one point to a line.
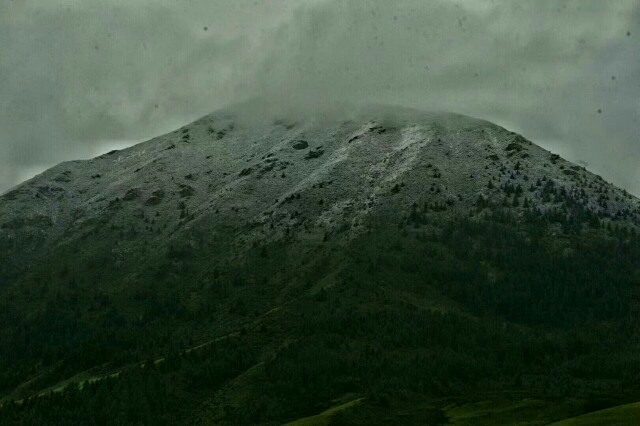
297	261
253	173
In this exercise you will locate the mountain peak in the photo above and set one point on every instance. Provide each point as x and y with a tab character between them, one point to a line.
254	233
240	165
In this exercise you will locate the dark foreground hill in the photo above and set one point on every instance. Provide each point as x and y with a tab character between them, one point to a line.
244	270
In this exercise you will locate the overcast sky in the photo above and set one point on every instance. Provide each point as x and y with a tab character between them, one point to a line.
80	77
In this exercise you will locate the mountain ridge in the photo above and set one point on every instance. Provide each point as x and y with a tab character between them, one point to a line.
382	254
214	136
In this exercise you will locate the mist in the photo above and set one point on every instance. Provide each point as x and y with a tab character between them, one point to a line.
82	78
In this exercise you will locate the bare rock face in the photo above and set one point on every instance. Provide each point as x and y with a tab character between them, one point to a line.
300	145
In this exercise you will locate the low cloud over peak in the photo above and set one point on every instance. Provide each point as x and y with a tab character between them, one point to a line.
77	74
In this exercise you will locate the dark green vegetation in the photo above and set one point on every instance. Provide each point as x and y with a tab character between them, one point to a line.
520	314
434	302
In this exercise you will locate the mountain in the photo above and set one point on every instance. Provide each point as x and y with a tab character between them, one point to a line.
257	267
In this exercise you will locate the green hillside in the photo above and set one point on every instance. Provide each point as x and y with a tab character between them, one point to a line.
617	416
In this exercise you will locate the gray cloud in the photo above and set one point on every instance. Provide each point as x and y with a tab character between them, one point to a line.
80	76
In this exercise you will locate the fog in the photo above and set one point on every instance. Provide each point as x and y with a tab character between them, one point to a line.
78	78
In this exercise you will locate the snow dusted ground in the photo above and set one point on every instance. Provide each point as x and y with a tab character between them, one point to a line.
267	177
